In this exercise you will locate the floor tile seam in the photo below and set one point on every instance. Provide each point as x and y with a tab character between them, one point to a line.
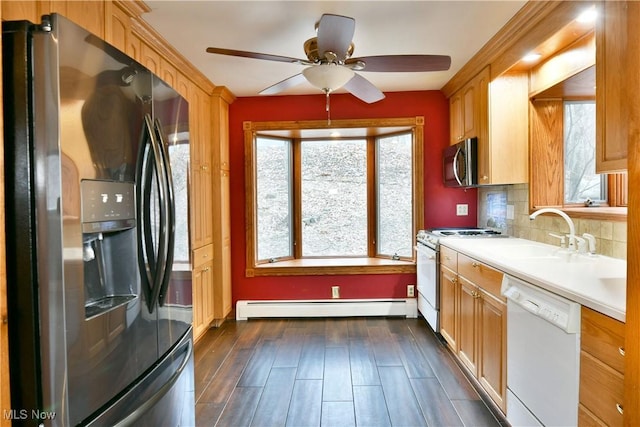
226	357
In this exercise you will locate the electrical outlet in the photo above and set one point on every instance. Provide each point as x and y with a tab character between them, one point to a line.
411	291
462	210
335	292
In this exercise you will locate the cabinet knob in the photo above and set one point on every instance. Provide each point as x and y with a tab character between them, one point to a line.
621	351
475	264
619	408
204	167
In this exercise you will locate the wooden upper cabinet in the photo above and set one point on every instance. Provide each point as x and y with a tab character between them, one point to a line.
503	153
18	10
495	110
456	117
150	58
616	21
88	14
465	107
201	197
168	73
119	31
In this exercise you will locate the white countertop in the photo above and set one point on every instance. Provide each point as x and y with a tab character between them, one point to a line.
595	281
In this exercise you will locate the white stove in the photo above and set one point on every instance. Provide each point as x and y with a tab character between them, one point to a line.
432	236
428	267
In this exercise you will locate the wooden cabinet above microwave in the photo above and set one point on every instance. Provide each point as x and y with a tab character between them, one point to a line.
496	112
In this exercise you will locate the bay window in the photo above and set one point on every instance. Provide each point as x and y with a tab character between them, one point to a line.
322	203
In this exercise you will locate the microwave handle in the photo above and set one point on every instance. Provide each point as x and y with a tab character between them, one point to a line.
455	165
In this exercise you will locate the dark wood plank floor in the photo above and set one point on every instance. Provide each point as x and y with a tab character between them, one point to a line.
332	372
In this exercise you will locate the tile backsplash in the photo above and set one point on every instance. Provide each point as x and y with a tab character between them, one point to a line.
507	208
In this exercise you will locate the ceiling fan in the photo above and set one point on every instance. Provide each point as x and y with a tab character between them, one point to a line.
330	65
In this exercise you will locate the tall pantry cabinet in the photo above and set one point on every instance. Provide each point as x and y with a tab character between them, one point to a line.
122	24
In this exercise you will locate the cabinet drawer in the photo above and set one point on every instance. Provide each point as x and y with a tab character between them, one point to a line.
449	258
603	337
601	389
587	419
202	255
481	274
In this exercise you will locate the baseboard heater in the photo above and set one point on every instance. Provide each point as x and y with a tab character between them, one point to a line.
326	308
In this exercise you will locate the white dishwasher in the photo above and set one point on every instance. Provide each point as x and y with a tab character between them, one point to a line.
543	356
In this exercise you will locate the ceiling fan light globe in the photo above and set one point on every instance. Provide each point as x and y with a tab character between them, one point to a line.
328	77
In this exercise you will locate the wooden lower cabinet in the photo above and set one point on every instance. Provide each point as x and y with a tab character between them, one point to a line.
601	370
468	332
449	289
203	292
473	320
492	360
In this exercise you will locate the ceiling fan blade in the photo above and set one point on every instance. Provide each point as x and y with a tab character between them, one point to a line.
335	33
254	55
362	88
284	84
402	63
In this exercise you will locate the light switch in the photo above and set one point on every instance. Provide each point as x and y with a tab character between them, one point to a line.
462	210
510	212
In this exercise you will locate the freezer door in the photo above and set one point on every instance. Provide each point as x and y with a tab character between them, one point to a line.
165	396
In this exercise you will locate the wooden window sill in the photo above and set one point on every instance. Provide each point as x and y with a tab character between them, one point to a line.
332	266
599	213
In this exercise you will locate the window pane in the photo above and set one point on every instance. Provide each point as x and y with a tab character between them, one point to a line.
179	155
580	178
273	204
334	198
395	195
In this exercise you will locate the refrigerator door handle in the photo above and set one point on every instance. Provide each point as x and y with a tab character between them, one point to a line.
133	418
146	253
169	230
151	262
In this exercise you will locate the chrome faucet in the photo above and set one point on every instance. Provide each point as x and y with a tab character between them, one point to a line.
572	228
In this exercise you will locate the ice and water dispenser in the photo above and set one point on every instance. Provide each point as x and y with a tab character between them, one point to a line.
109	250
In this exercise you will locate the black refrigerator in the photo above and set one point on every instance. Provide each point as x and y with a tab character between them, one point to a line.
98	265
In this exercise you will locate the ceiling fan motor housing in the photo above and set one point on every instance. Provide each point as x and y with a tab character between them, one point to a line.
311	50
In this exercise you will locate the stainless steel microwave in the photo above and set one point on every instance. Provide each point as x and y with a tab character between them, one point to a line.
460	164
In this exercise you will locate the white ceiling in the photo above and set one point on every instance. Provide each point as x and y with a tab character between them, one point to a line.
455	28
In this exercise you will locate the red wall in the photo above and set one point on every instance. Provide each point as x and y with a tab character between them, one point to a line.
440	202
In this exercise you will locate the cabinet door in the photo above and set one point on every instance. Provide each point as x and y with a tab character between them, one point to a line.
150	58
198	298
492	361
467	331
456	128
448	303
202	277
119	33
90	15
470	104
202	198
611	51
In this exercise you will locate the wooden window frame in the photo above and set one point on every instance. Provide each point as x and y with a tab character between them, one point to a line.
546	167
370	128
